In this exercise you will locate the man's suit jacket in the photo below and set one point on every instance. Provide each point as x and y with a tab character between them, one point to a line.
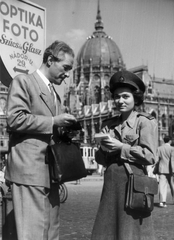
29	120
166	159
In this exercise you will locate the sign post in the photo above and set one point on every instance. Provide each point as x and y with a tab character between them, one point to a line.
22	36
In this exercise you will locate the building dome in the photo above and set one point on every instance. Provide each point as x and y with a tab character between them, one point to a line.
98	59
99	49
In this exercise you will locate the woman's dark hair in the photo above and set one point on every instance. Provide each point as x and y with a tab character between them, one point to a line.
138	94
138	97
55	48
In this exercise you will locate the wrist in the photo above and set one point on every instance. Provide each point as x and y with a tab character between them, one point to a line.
55	123
121	145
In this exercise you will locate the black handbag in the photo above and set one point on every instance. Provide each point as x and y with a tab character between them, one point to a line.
66	163
156	168
140	191
64	156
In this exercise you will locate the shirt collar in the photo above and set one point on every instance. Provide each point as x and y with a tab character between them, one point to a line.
167	144
45	80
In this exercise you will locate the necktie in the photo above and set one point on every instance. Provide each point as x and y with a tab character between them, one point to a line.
53	97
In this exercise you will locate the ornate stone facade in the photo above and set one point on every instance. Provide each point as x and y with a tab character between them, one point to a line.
89	98
4	138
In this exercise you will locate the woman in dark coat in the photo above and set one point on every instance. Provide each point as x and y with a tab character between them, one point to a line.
138	147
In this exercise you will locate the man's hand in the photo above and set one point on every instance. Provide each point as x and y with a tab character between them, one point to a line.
64	120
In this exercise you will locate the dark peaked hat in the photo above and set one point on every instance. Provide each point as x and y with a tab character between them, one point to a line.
125	78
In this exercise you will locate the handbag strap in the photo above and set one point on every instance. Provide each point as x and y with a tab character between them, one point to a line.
129	169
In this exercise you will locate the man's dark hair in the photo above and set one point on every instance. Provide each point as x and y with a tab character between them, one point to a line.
167	139
55	48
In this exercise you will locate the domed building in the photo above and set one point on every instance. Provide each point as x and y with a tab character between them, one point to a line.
89	99
97	60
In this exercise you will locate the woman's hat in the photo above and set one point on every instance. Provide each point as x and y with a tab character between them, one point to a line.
125	78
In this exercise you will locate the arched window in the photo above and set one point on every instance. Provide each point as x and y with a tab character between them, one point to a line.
163	121
153	113
170	119
97	94
2	106
107	94
171	126
96	78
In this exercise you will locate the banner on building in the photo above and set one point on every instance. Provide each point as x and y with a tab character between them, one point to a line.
95	109
22	36
87	111
104	108
80	113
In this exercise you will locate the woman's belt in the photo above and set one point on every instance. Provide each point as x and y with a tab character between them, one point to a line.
110	159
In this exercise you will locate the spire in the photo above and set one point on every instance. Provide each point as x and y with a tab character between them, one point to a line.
99	23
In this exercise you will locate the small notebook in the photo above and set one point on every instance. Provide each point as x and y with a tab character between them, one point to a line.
99	136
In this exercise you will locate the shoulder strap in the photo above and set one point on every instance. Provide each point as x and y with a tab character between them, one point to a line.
129	169
147	115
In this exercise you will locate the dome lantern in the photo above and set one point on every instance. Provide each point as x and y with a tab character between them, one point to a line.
99	23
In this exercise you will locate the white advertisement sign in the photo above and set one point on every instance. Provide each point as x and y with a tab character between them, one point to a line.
22	36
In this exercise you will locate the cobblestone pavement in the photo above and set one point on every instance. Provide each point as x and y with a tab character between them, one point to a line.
79	211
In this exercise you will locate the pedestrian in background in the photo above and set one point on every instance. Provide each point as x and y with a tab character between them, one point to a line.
165	170
2	170
34	113
138	147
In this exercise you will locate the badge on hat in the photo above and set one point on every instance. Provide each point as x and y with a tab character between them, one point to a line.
121	79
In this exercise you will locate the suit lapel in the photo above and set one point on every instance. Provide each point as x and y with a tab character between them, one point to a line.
44	92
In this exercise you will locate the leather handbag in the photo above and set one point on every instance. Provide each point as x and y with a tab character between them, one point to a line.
64	156
66	163
140	191
156	168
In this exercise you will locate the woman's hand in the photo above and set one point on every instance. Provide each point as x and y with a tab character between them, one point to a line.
105	130
111	144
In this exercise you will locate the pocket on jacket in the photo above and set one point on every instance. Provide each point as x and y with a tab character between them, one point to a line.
131	138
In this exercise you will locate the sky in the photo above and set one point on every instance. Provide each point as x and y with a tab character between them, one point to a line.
142	29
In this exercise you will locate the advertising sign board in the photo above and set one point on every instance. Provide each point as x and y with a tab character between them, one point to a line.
22	36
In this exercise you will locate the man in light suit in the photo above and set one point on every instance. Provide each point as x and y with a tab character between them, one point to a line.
33	113
165	170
